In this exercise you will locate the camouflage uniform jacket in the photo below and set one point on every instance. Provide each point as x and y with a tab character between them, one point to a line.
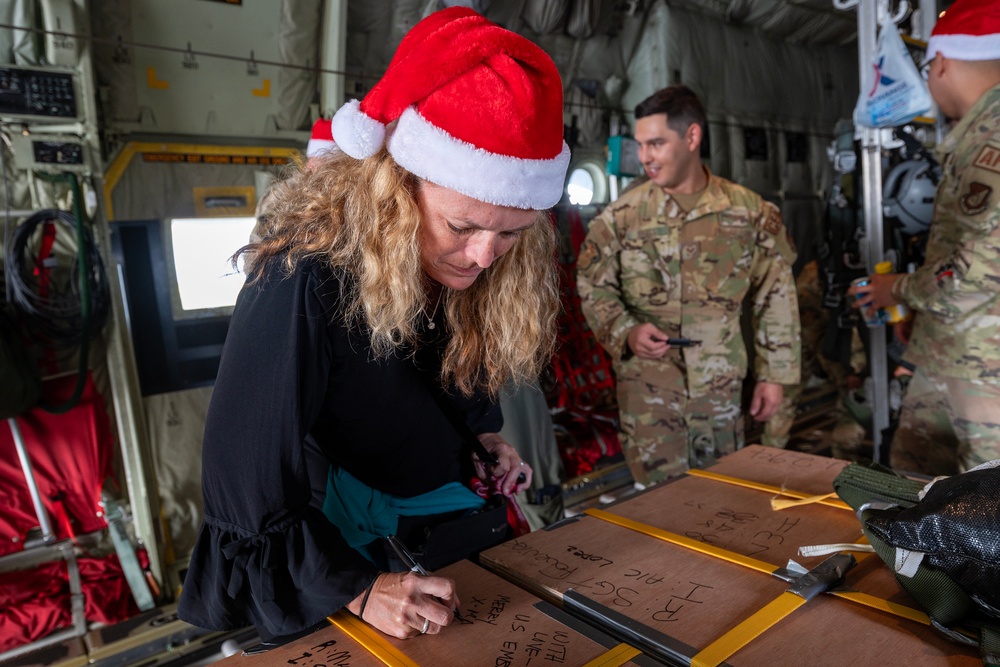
646	260
956	292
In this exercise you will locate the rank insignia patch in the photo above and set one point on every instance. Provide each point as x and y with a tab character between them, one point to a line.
976	200
772	225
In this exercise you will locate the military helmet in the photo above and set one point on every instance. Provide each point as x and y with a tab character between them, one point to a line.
909	196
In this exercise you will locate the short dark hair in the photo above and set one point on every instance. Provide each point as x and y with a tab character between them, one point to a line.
682	106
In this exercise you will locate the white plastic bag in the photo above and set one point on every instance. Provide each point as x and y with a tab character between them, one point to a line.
892	90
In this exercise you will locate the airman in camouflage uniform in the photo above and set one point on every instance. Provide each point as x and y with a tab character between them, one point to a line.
812	322
847	434
949	421
685	273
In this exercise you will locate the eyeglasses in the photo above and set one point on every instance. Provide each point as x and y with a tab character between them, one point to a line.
925	69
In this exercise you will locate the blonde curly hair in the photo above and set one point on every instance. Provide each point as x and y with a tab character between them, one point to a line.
362	216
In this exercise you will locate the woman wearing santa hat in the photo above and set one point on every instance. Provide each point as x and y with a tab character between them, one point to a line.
401	282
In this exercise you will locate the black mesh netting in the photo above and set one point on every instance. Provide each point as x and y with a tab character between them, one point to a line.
957	525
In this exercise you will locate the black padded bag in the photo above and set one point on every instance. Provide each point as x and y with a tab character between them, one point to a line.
956	526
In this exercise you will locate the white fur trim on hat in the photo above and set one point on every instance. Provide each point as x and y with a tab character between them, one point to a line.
429	152
965	47
356	133
317	147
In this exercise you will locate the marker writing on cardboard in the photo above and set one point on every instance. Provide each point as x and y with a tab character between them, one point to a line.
411	562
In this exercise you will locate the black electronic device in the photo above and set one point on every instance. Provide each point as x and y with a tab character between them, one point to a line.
682	342
57	152
40	94
50	152
678	342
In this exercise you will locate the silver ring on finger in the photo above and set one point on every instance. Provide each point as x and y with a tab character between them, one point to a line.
427	624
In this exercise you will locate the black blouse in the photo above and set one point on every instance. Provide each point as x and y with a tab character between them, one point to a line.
297	392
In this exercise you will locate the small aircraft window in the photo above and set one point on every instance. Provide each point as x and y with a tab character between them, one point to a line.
796	146
580	187
756	143
202	248
587	184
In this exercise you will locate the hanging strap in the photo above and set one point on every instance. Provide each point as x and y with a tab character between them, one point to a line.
460	425
456	419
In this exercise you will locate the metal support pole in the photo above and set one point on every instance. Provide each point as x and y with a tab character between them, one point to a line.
36	498
333	56
871	170
928	18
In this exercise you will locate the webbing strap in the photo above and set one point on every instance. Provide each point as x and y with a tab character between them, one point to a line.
748	630
936	592
752	563
736	481
989	646
368	637
859	483
682	541
785	503
883	605
616	657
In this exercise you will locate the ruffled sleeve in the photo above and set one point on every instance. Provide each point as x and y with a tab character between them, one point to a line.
281	581
266	556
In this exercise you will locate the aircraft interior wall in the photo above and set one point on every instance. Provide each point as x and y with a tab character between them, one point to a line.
179	92
771	105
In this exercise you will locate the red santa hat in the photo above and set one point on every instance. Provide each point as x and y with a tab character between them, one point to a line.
321	140
477	109
968	30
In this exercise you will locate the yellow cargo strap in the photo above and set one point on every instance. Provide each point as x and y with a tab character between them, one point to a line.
736	481
754	564
370	638
376	644
751	628
762	621
883	605
687	542
616	657
784	503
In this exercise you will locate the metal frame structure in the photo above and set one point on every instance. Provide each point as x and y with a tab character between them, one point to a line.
869	13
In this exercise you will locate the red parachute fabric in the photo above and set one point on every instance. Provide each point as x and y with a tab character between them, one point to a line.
70	455
582	398
35	603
